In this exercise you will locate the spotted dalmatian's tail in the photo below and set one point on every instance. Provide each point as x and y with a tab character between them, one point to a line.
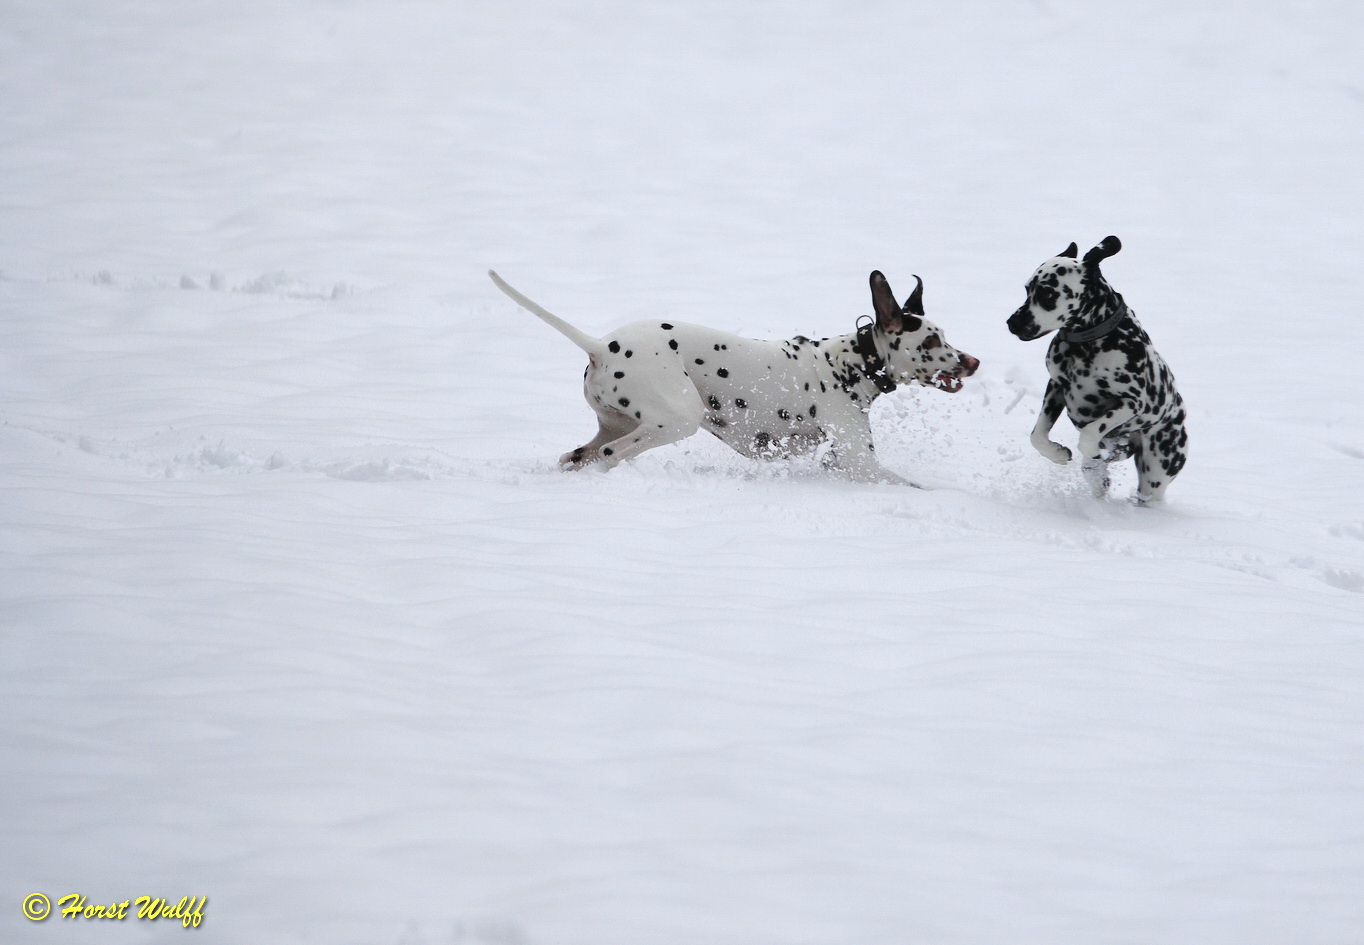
581	339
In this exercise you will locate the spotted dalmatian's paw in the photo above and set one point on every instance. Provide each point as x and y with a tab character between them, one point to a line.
1055	452
1090	447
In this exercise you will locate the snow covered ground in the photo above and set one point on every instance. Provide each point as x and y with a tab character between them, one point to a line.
299	615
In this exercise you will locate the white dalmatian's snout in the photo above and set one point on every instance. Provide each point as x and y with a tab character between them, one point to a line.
917	349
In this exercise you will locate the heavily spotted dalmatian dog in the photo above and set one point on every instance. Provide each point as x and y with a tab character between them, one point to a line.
652	383
1104	373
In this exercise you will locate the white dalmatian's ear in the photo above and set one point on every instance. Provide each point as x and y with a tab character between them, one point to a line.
1109	247
912	315
1071	251
889	316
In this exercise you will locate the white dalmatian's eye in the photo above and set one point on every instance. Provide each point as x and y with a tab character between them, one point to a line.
932	341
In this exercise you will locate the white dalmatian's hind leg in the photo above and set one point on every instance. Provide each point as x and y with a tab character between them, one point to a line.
666	411
655	430
612	425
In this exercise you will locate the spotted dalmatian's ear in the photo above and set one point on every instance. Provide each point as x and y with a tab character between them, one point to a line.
1071	251
889	317
1109	247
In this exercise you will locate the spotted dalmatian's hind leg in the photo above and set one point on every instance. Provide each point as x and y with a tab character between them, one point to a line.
1160	454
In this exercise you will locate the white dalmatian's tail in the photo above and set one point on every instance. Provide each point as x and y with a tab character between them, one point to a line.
581	339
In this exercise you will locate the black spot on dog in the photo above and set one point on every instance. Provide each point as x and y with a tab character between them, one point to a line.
783	413
1046	297
722	372
625	401
672	343
699	361
713	402
812	411
629	354
614	347
607	451
740	403
619	374
666	327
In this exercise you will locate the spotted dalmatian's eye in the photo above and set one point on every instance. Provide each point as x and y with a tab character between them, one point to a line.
1045	296
932	341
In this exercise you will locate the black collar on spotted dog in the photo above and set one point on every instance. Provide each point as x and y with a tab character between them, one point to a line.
1098	331
873	365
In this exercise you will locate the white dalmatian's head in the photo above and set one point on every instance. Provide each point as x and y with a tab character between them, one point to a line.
916	349
1061	288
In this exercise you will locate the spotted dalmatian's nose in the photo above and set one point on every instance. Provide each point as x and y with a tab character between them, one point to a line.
969	365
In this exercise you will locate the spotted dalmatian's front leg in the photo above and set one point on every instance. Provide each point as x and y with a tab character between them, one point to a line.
1094	432
1053	402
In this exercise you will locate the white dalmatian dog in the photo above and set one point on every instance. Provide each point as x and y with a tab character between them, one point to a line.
1105	374
655	382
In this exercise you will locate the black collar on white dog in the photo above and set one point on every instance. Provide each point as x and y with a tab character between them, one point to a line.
873	365
1098	331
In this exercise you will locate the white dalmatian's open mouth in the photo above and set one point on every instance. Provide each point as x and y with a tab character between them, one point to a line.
944	381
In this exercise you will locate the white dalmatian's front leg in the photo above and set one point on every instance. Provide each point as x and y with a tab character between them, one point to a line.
1053	402
1094	432
853	454
862	466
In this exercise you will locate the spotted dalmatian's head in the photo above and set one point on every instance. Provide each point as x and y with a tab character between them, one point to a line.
915	348
1062	288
